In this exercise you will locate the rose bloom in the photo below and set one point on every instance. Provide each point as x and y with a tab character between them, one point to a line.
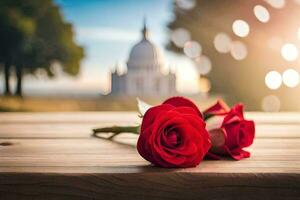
229	131
173	134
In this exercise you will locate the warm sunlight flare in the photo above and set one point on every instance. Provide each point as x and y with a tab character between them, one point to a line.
240	28
271	103
185	4
238	50
222	42
261	13
112	49
203	64
204	85
180	36
290	78
273	80
289	52
192	49
188	80
276	3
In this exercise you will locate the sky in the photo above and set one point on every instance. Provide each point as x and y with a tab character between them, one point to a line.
107	29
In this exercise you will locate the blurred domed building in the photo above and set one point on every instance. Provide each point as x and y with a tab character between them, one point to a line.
144	77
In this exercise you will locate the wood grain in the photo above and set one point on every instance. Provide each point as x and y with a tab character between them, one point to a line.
53	156
87	117
154	185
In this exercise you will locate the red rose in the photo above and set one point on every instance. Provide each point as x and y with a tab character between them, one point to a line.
231	134
173	134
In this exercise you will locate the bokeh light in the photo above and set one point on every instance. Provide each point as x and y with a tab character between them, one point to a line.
261	13
240	28
186	4
180	36
289	52
204	85
276	3
192	49
222	42
203	64
271	103
290	78
273	80
238	50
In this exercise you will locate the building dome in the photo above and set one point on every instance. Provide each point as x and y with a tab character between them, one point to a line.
144	53
144	76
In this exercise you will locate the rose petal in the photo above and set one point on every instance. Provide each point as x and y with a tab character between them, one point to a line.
171	139
199	125
182	102
187	110
235	114
173	135
232	132
217	138
238	133
238	154
249	133
219	108
143	146
152	113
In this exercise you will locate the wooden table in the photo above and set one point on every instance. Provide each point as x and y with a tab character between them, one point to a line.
53	156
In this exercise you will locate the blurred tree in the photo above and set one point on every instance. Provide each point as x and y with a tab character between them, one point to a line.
240	80
34	36
13	30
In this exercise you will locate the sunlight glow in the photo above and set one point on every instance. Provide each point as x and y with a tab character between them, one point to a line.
240	28
238	50
222	42
205	85
186	4
289	52
290	78
187	76
271	103
261	13
203	64
180	36
192	49
273	80
276	3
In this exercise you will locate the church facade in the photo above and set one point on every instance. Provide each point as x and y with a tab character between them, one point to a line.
144	77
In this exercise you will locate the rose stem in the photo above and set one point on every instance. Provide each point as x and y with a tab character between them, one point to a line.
207	116
116	130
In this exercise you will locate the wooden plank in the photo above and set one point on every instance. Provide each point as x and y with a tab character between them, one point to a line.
87	117
282	154
121	143
53	156
70	117
46	130
131	160
167	185
274	117
84	130
79	125
141	168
